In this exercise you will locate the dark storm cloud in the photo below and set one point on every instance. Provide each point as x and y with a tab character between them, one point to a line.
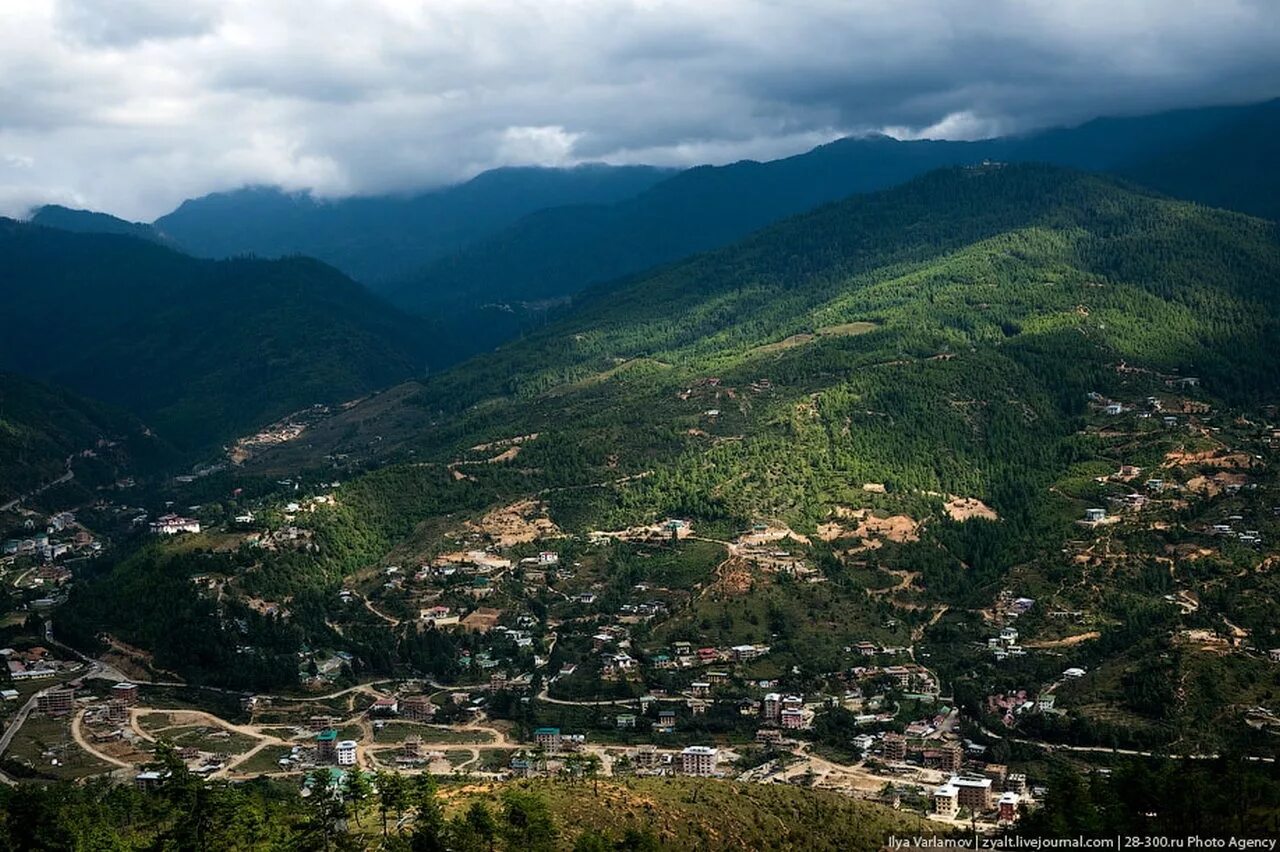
132	105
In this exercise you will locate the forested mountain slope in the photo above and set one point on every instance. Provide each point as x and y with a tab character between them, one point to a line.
199	349
880	355
1234	166
89	222
1188	153
42	428
987	267
377	237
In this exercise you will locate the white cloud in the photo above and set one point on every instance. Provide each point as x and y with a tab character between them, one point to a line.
132	105
552	146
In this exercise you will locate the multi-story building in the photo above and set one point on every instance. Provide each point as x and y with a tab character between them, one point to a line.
56	702
895	746
126	692
417	708
646	756
548	738
946	801
699	760
666	721
791	718
117	711
768	736
326	746
1008	807
411	750
972	793
346	752
947	758
772	706
174	524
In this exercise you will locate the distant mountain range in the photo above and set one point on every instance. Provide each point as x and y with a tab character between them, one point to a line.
370	238
484	259
199	349
1215	155
966	260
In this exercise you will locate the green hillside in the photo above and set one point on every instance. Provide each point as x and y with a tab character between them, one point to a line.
42	427
1211	155
201	350
1015	286
807	376
651	814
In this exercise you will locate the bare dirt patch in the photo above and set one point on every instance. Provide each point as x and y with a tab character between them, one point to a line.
1065	642
770	534
1216	484
965	508
518	523
896	528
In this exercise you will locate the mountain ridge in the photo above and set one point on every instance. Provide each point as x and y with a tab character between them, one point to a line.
199	348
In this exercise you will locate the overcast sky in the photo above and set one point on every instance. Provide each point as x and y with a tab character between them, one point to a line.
130	106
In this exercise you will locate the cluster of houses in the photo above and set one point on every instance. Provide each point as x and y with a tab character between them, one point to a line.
980	794
61	538
1009	706
683	655
33	664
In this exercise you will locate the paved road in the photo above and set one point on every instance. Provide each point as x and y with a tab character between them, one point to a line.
12	730
66	477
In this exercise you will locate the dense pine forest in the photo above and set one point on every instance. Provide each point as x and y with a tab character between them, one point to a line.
973	309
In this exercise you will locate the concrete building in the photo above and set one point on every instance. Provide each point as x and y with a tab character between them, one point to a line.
1008	807
946	801
946	758
646	756
326	746
417	708
126	692
56	702
346	752
666	721
174	524
548	738
772	706
699	760
973	793
768	736
895	747
792	719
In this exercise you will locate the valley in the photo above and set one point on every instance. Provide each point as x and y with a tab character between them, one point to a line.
703	524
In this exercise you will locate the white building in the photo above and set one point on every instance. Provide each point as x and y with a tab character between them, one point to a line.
346	751
946	801
174	524
772	706
699	760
